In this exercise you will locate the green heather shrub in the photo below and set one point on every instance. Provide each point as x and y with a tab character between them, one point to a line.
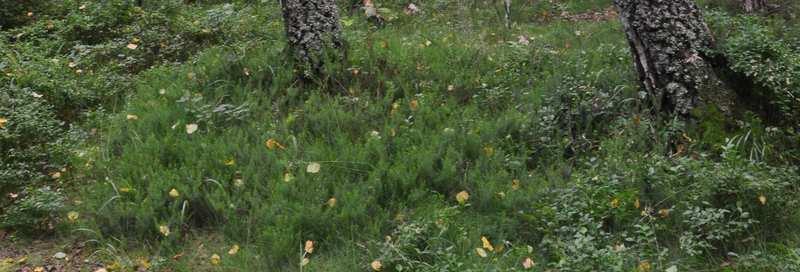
15	12
34	145
771	60
31	140
653	206
34	211
68	64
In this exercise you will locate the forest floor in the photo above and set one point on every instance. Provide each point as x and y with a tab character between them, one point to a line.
446	141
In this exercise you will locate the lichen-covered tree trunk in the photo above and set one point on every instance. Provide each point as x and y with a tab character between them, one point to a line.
754	5
668	39
312	29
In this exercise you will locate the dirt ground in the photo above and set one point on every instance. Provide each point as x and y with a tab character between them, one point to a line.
43	255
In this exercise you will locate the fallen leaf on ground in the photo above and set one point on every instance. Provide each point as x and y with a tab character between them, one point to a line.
72	216
273	144
462	197
376	265
191	128
486	244
164	230
174	193
215	259
313	168
234	249
309	247
528	263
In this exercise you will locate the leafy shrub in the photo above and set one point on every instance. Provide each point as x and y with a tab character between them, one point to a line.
30	140
772	62
621	208
15	12
574	117
34	211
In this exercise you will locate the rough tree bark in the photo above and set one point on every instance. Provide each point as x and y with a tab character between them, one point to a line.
312	27
754	5
668	39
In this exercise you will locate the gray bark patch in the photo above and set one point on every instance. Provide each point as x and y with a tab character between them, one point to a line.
667	39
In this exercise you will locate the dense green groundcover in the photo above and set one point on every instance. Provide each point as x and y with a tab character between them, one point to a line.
458	146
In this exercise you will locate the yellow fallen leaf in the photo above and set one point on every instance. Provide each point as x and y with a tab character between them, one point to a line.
73	216
486	244
414	105
644	266
55	175
636	204
762	199
273	144
125	190
234	249
238	182
664	213
309	247
144	263
515	184
331	202
3	122
488	150
528	263
191	128
132	117
164	230
462	197
313	168
481	252
287	177
132	46
174	193
215	259
615	203
376	265
230	162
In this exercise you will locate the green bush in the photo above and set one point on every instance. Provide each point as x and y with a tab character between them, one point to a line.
31	140
35	211
16	12
771	60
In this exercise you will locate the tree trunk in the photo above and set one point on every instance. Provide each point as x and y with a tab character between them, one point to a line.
312	28
754	5
668	39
